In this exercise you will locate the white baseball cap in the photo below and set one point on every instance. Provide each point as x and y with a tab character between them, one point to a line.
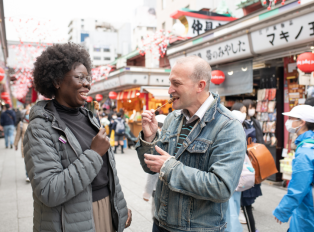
304	112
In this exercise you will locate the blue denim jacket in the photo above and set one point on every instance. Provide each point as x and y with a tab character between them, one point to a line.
195	186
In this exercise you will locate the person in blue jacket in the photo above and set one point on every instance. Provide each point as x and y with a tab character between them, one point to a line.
298	202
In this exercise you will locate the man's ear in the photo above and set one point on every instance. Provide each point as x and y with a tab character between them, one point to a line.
201	86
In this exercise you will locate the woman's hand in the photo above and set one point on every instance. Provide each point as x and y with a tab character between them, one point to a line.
16	148
100	142
129	220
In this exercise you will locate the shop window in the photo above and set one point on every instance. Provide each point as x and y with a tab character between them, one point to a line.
163	4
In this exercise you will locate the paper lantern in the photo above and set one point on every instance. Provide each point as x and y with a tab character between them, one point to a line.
5	95
89	99
218	77
99	97
305	62
113	95
1	74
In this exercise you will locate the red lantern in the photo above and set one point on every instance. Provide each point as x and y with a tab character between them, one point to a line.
305	62
218	77
1	74
99	97
5	95
89	99
113	95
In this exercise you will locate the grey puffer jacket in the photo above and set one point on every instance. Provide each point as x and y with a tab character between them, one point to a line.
61	175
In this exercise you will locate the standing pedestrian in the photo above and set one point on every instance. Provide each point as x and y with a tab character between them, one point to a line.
234	206
8	122
197	148
119	131
298	202
20	132
151	181
253	130
68	157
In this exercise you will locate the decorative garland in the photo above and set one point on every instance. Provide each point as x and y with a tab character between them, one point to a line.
273	2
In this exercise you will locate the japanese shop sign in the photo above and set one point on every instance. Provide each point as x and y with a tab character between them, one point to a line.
229	50
285	34
199	26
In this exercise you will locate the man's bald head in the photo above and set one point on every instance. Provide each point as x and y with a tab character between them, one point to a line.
201	70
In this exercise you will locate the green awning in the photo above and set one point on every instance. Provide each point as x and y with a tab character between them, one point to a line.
245	3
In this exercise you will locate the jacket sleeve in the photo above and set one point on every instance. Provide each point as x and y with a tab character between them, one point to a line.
299	187
226	162
17	135
52	184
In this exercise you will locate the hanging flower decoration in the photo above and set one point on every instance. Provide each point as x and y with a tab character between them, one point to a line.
156	43
101	73
273	2
29	29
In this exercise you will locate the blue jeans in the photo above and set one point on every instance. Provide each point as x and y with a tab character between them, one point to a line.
232	215
9	135
157	228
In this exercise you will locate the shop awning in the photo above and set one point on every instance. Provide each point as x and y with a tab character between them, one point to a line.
127	94
157	92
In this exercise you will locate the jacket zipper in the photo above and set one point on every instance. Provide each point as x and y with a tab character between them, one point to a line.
62	216
64	134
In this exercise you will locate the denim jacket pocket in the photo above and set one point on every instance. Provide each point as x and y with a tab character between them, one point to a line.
199	146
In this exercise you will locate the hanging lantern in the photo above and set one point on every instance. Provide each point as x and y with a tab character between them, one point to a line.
89	99
5	95
99	97
113	95
1	74
305	62
218	77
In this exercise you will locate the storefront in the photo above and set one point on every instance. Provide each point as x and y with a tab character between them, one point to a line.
135	90
257	54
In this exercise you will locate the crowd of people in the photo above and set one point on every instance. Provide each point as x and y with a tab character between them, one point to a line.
195	154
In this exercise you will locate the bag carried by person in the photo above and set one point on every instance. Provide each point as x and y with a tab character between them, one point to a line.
247	178
262	161
120	127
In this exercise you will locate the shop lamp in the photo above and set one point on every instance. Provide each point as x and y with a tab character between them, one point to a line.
99	97
5	95
218	77
1	74
89	99
305	62
138	94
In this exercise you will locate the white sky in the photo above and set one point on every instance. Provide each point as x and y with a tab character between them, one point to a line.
60	12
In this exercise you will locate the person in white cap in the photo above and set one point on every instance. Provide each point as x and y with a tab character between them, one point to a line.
151	181
298	202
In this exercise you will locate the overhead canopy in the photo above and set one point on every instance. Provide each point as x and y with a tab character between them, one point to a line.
157	92
124	95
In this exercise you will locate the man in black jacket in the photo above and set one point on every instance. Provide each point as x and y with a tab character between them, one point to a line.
8	121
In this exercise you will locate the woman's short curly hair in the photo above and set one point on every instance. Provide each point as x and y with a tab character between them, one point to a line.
51	66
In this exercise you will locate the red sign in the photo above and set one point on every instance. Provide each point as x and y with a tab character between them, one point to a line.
113	95
89	99
99	97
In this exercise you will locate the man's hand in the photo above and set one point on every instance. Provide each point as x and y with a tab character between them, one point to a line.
149	125
278	221
155	162
129	220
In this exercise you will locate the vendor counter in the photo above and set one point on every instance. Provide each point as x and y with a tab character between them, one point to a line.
136	127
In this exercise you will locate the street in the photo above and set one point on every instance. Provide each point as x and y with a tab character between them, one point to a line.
16	201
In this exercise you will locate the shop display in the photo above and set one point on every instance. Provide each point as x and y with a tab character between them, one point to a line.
267	114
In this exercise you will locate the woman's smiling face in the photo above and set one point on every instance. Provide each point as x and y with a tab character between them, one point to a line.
72	92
